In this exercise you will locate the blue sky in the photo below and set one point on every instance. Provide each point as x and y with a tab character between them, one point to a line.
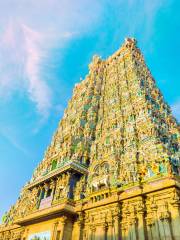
45	48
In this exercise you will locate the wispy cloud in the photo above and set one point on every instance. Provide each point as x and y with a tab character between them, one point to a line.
30	31
20	62
38	90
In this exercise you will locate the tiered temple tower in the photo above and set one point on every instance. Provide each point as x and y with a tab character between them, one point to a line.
112	168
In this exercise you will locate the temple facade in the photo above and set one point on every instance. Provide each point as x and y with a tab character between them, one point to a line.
112	170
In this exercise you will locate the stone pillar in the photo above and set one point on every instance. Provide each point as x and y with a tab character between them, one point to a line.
79	230
46	187
63	222
149	230
38	197
161	229
89	232
175	216
53	185
141	225
165	230
25	234
110	231
93	233
132	228
152	224
155	230
116	221
104	231
152	228
155	225
123	230
116	227
128	232
54	231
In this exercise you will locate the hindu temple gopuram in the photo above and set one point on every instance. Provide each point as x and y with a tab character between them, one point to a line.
112	170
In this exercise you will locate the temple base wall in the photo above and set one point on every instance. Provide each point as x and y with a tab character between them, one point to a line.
150	216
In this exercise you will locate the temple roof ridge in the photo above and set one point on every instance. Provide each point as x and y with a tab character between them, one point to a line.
129	42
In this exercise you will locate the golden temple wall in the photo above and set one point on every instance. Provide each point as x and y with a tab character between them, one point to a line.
127	216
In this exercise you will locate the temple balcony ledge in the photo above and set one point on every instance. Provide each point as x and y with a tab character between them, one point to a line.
95	192
99	201
98	198
69	166
66	207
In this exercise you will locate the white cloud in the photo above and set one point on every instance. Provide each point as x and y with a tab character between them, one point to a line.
37	88
29	33
20	62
